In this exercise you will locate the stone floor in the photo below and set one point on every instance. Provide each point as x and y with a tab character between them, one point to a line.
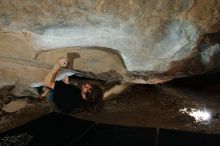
164	107
191	104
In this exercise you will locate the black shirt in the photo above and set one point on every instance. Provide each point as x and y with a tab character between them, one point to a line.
67	97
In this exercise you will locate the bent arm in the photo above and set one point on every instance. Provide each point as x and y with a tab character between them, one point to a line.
49	80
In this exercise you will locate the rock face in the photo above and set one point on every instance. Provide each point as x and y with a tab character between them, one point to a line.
5	87
15	105
142	41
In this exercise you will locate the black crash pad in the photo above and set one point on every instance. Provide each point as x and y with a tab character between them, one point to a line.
56	129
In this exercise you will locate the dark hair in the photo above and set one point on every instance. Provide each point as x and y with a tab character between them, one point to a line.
94	98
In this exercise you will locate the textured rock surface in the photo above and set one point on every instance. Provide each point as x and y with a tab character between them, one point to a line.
5	87
15	105
144	41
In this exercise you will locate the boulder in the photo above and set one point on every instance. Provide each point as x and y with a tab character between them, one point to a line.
15	105
132	41
6	87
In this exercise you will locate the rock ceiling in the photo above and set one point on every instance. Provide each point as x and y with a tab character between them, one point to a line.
142	41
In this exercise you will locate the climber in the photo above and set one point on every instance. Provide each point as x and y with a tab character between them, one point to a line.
68	97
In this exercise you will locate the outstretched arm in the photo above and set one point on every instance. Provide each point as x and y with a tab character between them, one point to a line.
49	80
114	91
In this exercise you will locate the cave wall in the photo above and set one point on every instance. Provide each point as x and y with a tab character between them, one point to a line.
143	41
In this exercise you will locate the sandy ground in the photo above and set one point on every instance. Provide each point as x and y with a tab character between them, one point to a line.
142	105
159	106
